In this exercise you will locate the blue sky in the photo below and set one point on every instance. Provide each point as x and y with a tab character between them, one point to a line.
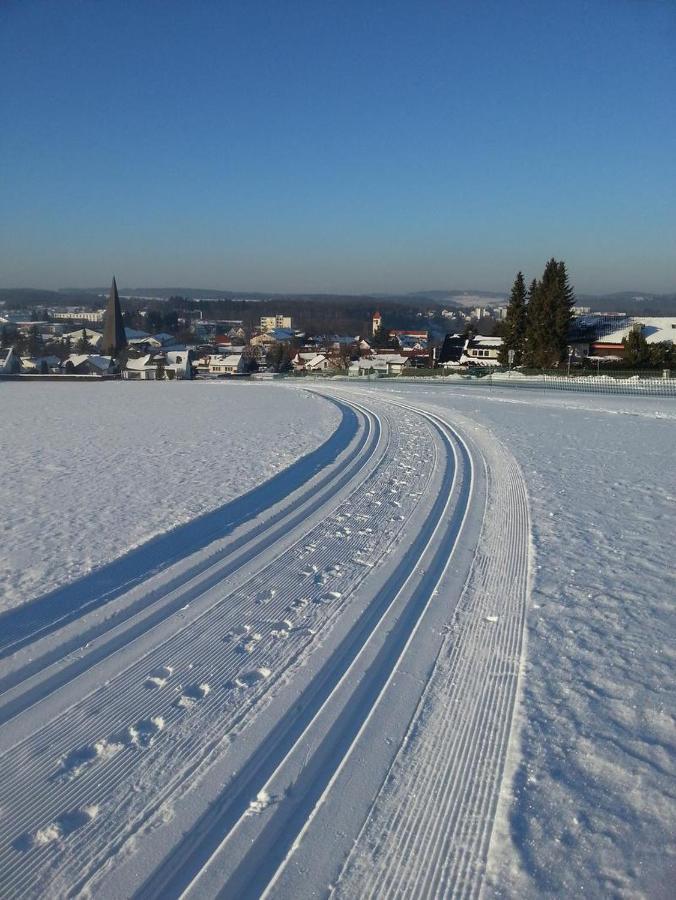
338	146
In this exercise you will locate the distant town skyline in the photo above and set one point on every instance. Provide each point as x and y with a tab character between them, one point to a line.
338	148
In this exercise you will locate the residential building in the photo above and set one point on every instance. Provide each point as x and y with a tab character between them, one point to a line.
93	316
269	323
481	351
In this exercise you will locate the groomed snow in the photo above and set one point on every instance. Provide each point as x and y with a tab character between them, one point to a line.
88	472
588	803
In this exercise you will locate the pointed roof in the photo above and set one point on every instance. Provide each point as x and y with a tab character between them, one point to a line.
114	337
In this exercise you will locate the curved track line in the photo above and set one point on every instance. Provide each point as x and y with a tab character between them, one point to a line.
19	689
114	768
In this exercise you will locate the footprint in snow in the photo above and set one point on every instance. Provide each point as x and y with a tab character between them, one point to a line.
248	679
141	734
241	631
298	604
281	630
78	761
57	830
158	677
192	694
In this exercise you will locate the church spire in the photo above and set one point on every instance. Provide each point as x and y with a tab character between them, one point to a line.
114	339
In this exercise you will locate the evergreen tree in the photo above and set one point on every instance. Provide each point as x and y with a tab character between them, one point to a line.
535	327
636	350
563	310
514	326
34	344
548	317
83	345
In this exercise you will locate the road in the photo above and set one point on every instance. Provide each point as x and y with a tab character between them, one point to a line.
317	698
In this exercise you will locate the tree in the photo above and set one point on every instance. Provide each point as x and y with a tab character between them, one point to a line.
83	345
514	325
548	316
160	371
636	350
564	302
34	343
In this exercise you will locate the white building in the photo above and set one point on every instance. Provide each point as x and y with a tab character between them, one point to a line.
481	351
269	323
226	365
93	316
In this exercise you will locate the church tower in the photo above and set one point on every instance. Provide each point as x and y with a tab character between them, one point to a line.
114	339
376	323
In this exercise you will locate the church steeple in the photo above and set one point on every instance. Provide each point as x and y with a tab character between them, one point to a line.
114	339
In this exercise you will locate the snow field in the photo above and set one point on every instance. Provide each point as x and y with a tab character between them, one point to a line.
91	471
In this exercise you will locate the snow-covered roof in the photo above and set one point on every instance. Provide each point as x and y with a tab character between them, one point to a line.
316	360
101	362
655	329
137	365
76	335
392	359
484	341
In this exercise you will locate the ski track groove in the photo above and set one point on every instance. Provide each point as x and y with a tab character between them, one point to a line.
429	829
117	768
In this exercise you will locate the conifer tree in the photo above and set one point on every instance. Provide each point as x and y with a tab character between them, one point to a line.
564	303
548	317
515	323
83	345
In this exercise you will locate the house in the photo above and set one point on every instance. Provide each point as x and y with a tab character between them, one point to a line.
264	341
481	351
40	365
410	341
395	362
452	350
382	365
318	363
301	358
88	364
179	361
93	337
227	365
655	330
368	367
142	369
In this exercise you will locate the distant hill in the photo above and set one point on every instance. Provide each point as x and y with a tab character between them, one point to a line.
632	302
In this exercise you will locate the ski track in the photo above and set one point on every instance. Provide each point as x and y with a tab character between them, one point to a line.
429	829
88	782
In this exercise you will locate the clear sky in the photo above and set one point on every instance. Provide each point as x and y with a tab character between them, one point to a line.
337	145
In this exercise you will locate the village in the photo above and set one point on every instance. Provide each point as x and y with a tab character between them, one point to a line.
95	344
